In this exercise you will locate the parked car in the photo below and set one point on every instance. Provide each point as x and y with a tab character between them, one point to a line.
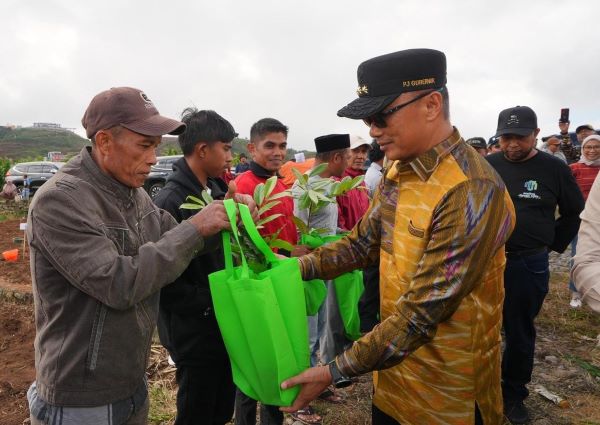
159	174
39	172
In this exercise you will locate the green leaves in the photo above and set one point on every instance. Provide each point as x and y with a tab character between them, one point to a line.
318	170
346	184
195	203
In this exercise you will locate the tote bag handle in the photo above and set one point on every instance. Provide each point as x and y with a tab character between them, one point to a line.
230	208
256	238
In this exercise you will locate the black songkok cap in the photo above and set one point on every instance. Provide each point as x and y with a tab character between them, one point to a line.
384	78
332	142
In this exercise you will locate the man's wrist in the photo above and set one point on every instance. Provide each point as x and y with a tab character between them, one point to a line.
338	379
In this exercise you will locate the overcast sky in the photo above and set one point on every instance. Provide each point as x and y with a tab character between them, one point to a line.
295	60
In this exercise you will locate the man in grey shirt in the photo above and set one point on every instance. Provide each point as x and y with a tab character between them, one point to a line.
100	253
326	329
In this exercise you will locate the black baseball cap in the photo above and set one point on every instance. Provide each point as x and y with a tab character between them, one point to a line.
383	78
584	127
477	142
519	120
129	108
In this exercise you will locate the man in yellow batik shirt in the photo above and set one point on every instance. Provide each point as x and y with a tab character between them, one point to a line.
437	224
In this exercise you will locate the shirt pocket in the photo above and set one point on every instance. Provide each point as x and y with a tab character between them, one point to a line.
124	239
96	336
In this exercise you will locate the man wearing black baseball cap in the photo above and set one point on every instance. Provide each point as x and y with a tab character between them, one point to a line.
479	144
437	212
100	253
537	183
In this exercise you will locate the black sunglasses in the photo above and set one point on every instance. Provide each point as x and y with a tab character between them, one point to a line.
378	119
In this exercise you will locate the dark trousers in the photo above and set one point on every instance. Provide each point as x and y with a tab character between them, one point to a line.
206	394
526	285
380	418
245	411
368	306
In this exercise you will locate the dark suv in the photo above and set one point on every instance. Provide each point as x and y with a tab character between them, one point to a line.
159	173
39	172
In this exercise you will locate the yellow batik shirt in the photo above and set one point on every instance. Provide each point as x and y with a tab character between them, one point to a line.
437	226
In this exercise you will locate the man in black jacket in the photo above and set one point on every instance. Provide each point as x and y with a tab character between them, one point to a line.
187	325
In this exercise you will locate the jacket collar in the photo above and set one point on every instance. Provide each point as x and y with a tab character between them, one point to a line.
261	172
104	181
183	175
352	172
425	164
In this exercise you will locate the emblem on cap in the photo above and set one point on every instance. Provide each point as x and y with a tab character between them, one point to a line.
362	90
513	119
147	101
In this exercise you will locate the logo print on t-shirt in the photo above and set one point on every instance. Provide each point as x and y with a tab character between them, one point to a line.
531	186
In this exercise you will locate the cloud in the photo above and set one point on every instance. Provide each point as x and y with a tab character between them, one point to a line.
295	61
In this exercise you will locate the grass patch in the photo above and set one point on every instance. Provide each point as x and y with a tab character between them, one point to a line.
162	403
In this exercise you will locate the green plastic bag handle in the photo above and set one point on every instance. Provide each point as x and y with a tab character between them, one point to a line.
255	235
230	208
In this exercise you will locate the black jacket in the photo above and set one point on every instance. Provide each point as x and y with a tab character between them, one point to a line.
186	324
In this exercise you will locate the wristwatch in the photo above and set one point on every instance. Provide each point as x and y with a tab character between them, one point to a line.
338	379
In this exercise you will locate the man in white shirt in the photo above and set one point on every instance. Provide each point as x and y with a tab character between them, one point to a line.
374	172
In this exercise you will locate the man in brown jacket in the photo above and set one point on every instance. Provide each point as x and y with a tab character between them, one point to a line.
100	253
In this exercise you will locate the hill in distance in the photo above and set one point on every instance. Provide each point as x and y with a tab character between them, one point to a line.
34	144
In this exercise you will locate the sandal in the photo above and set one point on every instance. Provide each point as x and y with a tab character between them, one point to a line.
307	416
330	396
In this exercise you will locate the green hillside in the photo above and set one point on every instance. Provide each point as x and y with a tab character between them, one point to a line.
169	146
31	143
34	143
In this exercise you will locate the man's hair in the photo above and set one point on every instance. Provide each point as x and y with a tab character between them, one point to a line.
446	102
327	156
114	131
243	155
265	126
203	127
375	154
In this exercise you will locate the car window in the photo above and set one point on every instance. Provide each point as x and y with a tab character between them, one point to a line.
49	168
21	168
35	169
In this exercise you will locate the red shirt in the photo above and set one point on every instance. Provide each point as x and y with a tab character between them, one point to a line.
227	176
247	181
354	204
585	176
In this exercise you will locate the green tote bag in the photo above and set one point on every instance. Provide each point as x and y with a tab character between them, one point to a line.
349	287
262	318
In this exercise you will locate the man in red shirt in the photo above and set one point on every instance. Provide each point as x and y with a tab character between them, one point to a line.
354	204
267	147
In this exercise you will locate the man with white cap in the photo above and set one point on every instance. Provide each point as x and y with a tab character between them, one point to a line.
354	204
100	253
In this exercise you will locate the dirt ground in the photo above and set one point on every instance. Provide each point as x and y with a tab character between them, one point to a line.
567	357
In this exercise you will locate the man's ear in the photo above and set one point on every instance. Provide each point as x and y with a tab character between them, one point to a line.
102	141
201	149
251	149
434	105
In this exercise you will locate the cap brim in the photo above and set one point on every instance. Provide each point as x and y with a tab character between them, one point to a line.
364	107
517	131
156	125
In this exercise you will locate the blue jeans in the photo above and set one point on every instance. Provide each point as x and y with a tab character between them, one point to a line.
526	285
573	252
